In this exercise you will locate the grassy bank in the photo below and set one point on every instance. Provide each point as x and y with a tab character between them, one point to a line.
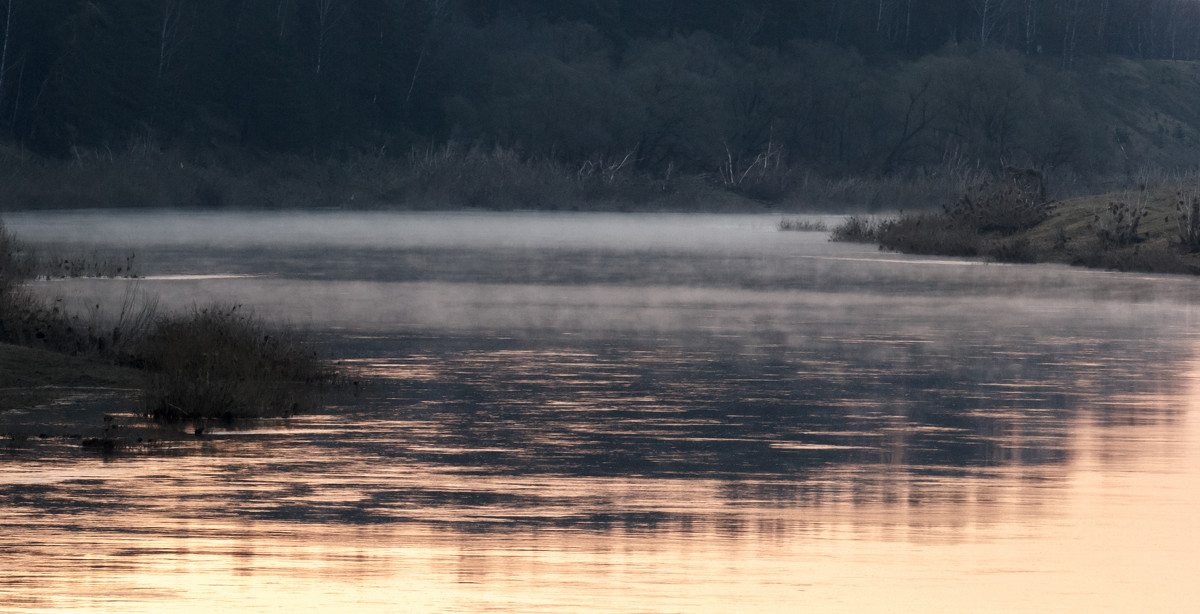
35	377
209	363
1153	230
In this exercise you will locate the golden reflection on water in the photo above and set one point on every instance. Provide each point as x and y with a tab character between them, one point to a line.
1017	440
987	544
1112	529
270	520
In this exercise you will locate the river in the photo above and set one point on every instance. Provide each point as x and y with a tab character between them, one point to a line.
631	413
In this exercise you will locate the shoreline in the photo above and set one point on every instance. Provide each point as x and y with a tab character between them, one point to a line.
42	390
34	377
1146	231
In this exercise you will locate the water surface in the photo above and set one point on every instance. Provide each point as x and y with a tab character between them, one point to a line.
633	413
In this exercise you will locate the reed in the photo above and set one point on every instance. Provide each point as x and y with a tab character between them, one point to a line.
857	229
219	362
213	362
84	263
794	224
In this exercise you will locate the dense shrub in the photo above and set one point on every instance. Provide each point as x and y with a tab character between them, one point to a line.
929	233
1015	250
215	362
856	229
1188	219
15	305
1014	202
15	266
802	225
219	362
1118	224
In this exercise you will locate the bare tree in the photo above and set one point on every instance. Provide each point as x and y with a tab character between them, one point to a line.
8	14
1072	14
329	13
1101	21
437	10
281	13
172	33
919	115
990	13
1029	23
1174	12
908	21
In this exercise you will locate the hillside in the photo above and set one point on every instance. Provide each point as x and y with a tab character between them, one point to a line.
655	104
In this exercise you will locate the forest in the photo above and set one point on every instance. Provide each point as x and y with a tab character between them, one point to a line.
756	97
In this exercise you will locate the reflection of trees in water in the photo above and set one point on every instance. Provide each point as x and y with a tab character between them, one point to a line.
709	407
914	436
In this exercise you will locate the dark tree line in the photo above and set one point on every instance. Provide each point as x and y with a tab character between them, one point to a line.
1069	28
672	83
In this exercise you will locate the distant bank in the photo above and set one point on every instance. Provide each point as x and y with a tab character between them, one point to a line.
1145	230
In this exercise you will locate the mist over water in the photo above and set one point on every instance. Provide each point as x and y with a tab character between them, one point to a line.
605	412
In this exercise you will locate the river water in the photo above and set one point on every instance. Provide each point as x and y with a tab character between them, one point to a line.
632	413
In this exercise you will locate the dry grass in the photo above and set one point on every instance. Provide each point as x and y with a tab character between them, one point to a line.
802	225
1146	230
218	362
83	263
215	362
857	229
929	233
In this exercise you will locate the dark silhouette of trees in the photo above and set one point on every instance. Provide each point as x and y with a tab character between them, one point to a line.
877	85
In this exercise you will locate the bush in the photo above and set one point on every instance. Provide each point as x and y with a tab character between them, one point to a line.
218	362
1145	257
856	229
1007	205
1117	225
802	225
1188	217
16	306
1014	250
930	233
15	264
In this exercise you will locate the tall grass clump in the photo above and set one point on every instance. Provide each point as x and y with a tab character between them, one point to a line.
997	207
1014	202
15	304
929	233
221	363
15	264
800	225
29	321
215	362
857	229
1118	224
84	264
1188	218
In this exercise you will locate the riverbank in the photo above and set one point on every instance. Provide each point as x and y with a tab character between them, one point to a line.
1155	231
35	377
1147	230
459	177
216	362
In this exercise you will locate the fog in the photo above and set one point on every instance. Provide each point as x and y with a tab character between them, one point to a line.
708	387
241	229
589	274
